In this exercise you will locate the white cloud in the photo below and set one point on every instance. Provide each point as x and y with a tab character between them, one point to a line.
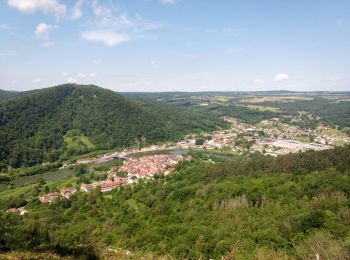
76	12
45	6
43	30
167	1
111	25
153	62
281	76
101	10
71	80
108	38
37	80
92	74
81	75
14	82
258	81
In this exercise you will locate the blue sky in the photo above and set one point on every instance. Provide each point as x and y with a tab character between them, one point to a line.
176	45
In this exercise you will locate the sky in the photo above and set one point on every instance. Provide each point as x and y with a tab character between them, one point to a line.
176	45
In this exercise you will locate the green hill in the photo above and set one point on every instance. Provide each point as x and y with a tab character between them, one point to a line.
55	123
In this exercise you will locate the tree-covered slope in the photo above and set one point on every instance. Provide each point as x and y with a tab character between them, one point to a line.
8	95
290	207
35	126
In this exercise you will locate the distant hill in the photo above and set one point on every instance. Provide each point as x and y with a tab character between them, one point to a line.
8	95
55	123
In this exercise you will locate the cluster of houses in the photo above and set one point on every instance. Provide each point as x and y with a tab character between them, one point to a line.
116	155
277	147
135	168
270	137
150	165
106	185
49	197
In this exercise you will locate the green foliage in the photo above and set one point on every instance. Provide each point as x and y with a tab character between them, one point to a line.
200	141
80	169
330	112
77	143
257	207
8	95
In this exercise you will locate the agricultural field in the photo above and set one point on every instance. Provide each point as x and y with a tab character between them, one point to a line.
279	99
262	108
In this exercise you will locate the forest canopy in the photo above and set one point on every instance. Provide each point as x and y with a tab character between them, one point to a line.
290	207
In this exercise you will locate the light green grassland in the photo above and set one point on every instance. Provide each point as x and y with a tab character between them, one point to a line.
17	191
222	98
282	99
333	132
340	142
262	108
78	141
135	205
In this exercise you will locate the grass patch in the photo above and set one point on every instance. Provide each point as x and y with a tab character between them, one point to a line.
262	108
17	191
78	141
68	182
279	99
135	205
333	132
222	98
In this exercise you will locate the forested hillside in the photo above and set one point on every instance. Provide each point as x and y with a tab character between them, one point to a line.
289	207
7	95
49	124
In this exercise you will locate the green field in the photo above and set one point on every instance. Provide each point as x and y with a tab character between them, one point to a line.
262	108
332	131
78	141
280	99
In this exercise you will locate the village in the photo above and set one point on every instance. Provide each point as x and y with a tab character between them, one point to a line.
270	137
135	169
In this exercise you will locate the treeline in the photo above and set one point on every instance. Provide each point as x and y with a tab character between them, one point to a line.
302	162
32	126
289	207
330	112
7	95
250	116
